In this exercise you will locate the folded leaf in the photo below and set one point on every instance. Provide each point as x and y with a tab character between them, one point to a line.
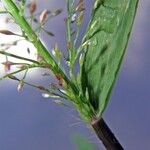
106	40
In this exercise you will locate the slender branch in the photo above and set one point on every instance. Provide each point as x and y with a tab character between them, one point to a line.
18	71
105	134
3	12
68	22
18	57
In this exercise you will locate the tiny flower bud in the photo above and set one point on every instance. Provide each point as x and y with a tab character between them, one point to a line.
43	16
73	18
32	6
28	50
57	12
57	52
20	85
45	95
80	18
80	6
41	88
69	45
39	58
53	86
7	32
12	77
7	65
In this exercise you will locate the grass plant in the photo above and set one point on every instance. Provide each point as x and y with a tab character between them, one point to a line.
98	56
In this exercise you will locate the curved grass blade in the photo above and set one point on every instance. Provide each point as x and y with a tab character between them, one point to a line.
106	38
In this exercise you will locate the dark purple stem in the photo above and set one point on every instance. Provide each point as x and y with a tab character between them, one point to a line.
105	135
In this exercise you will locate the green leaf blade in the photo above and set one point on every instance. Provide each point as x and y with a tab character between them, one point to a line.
107	38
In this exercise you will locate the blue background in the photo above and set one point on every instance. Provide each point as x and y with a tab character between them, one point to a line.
29	122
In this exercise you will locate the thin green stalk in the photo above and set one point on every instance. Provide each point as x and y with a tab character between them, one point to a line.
25	74
3	12
18	57
69	40
22	7
36	86
18	71
44	90
68	22
76	38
